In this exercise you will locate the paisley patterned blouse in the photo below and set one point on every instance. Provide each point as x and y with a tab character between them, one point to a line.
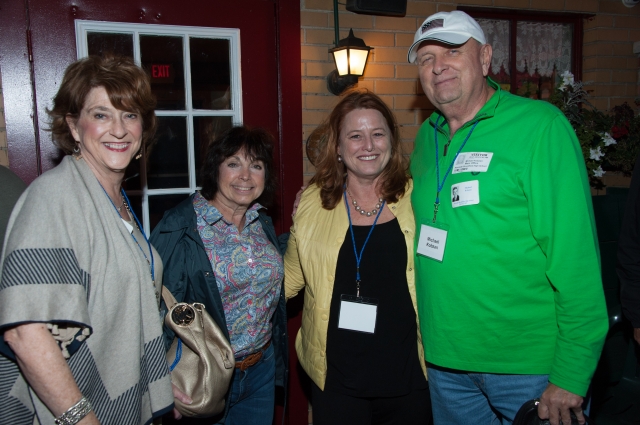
248	270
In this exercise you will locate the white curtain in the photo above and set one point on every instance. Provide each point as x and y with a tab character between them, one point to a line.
496	32
540	46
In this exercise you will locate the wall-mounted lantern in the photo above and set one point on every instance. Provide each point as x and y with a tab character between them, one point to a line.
350	57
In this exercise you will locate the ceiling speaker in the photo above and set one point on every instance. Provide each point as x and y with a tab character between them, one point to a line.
378	7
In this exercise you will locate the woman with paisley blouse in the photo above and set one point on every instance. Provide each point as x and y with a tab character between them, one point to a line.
220	249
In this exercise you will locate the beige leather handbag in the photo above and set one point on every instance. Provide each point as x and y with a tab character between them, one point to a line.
200	358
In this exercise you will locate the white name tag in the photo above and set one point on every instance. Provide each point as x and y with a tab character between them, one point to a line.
472	162
432	242
465	193
358	313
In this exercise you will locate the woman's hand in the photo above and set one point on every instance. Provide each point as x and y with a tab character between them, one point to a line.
45	369
179	395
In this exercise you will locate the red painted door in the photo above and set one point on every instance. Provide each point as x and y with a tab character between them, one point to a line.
38	43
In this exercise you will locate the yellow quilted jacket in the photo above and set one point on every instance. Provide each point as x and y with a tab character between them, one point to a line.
310	263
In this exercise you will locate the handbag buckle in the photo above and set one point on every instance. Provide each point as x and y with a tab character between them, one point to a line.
183	314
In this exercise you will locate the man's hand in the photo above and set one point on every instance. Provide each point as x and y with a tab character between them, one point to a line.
182	397
636	335
556	404
297	201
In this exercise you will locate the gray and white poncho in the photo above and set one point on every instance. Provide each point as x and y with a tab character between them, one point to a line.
70	262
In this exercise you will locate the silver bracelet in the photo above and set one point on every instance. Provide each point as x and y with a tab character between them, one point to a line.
75	413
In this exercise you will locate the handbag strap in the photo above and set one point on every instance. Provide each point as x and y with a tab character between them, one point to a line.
168	297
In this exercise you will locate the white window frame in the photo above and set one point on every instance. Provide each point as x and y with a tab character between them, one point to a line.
136	30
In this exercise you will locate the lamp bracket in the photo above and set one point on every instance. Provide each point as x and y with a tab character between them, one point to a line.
337	84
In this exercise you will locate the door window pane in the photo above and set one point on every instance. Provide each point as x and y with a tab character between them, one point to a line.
210	73
102	43
158	204
162	57
189	115
132	177
205	130
169	160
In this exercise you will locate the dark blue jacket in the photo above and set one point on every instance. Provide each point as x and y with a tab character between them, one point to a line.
189	276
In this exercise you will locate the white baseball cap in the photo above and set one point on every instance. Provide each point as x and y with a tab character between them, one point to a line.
454	28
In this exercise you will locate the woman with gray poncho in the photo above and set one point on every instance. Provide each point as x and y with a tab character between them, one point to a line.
79	281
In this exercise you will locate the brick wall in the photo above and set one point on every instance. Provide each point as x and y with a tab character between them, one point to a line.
387	73
608	58
4	158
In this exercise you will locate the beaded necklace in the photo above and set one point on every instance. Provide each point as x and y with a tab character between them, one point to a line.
359	208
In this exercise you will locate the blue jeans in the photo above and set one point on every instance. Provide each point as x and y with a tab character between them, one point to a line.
464	398
252	394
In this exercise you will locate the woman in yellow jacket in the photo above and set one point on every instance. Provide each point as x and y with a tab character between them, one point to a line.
351	249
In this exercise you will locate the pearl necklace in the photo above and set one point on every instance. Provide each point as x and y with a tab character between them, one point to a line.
363	212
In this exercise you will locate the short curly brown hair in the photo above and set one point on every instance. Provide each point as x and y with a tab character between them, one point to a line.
257	144
127	85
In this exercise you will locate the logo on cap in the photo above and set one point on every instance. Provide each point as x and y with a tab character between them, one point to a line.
436	23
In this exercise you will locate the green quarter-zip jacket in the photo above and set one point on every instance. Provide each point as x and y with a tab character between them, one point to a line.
519	289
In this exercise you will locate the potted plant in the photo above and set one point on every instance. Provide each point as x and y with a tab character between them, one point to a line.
609	141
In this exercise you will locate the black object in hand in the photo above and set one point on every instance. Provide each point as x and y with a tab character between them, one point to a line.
528	415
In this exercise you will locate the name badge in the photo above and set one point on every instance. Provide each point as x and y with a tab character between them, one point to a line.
358	313
432	242
472	162
465	193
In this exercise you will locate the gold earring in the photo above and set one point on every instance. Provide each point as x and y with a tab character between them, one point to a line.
76	151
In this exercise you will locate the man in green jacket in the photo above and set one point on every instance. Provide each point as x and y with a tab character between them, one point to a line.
508	275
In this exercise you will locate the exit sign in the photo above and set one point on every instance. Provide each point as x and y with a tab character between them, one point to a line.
162	73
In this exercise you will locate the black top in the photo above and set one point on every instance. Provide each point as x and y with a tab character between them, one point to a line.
386	363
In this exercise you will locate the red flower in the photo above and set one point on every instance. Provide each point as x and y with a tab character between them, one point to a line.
619	131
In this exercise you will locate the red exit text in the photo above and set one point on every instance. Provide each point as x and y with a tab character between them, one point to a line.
160	71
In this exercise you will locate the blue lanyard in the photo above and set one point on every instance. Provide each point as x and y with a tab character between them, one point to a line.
439	184
151	263
353	238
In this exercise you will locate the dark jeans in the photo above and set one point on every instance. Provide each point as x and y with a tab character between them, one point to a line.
252	396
